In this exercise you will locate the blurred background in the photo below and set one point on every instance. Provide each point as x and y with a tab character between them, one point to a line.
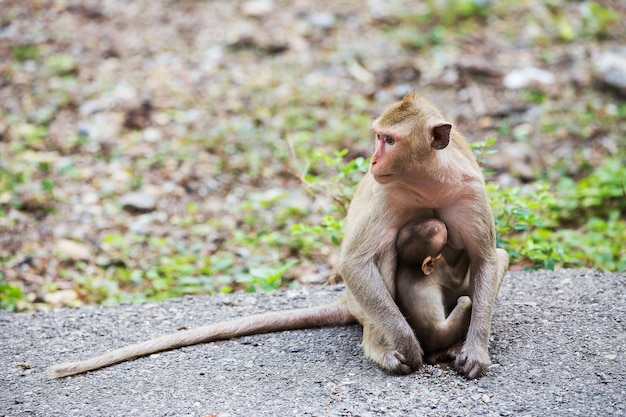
152	149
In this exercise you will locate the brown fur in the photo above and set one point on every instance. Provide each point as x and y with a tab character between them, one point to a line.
433	290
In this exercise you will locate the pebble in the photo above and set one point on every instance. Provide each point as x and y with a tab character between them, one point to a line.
313	278
610	69
152	134
69	249
257	8
62	297
527	77
138	202
322	20
519	159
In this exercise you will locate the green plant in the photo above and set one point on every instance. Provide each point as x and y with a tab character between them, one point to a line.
601	193
579	224
310	237
25	52
522	224
9	182
61	64
344	177
598	20
482	149
10	295
267	277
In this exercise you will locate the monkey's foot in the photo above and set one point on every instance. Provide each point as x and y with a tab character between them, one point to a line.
472	362
448	354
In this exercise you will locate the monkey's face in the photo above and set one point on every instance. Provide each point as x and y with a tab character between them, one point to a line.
384	163
408	134
401	152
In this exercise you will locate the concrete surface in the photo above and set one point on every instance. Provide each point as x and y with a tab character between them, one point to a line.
558	347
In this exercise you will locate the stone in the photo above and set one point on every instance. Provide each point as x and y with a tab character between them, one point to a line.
69	249
257	8
62	297
610	69
528	77
322	20
138	202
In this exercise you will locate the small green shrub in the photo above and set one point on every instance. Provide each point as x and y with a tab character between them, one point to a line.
10	295
25	52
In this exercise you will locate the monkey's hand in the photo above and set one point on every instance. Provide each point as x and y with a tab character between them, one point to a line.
411	357
473	361
401	356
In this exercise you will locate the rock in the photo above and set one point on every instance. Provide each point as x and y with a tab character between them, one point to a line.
519	159
257	8
62	297
313	278
379	10
322	20
152	134
62	131
397	74
138	202
610	70
137	117
527	77
69	249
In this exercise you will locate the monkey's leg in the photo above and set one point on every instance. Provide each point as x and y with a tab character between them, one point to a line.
503	265
454	327
473	360
426	308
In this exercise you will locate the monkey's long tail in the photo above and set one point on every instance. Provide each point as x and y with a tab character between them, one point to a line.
335	314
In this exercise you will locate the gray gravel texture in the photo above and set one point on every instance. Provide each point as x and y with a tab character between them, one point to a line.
558	347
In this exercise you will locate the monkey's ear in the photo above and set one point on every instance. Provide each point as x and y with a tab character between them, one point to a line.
441	135
428	265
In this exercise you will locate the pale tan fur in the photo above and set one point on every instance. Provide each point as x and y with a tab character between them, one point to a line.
410	179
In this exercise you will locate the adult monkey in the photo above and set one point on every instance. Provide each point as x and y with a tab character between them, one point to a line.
421	168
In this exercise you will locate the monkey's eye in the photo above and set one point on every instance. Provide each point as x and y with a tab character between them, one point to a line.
389	140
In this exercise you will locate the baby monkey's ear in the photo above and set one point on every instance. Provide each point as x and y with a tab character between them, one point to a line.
428	265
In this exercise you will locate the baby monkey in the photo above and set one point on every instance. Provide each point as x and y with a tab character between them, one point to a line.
432	287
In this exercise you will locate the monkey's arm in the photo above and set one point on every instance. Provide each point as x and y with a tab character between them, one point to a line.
471	223
368	266
388	339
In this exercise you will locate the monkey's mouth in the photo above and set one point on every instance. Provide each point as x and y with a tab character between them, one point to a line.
382	178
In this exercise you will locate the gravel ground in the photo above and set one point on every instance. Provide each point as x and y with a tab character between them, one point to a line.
558	347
